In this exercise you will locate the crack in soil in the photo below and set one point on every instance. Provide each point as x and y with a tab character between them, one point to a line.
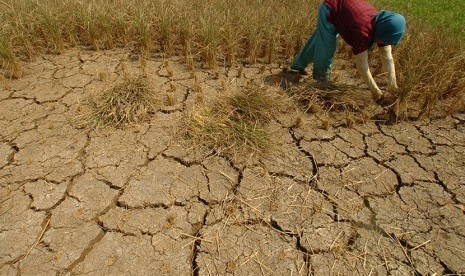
447	270
104	230
407	249
112	205
372	226
306	153
334	214
208	203
195	247
111	185
11	157
298	236
400	184
446	189
239	171
63	198
84	254
144	206
33	100
430	141
114	230
47	246
289	176
181	161
165	111
73	197
239	182
307	256
45	226
31	196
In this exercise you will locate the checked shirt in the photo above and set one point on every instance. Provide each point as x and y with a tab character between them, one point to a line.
354	22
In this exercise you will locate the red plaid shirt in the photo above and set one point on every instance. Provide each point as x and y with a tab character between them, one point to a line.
353	21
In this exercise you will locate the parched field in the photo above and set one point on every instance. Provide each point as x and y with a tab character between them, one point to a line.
335	193
156	137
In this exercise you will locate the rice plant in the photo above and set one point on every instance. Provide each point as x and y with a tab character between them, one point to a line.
214	32
8	62
430	67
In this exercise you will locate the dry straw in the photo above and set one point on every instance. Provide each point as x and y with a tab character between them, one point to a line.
236	124
214	31
128	102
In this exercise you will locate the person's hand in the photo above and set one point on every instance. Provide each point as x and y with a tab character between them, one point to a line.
387	101
377	94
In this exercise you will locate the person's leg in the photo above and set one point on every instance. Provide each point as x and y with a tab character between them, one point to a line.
305	57
319	48
325	46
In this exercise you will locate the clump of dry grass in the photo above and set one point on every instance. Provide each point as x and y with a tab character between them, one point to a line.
8	64
225	135
342	104
254	104
236	125
127	102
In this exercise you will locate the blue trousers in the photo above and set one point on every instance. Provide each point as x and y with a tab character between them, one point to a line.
320	48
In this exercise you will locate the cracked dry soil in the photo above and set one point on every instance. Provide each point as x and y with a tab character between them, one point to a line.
373	199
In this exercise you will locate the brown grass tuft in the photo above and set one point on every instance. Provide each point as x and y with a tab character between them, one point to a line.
236	125
325	121
127	102
350	119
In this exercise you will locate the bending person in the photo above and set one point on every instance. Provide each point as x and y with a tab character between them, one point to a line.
360	25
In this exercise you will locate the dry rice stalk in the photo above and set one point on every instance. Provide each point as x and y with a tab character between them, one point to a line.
127	102
236	125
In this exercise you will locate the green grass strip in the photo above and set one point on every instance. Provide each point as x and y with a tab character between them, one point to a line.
445	14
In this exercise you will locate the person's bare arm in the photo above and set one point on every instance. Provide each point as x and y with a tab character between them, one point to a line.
388	65
361	61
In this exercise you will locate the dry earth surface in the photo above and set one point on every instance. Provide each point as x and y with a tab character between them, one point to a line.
372	199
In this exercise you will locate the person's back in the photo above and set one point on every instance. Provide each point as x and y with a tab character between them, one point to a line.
354	22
